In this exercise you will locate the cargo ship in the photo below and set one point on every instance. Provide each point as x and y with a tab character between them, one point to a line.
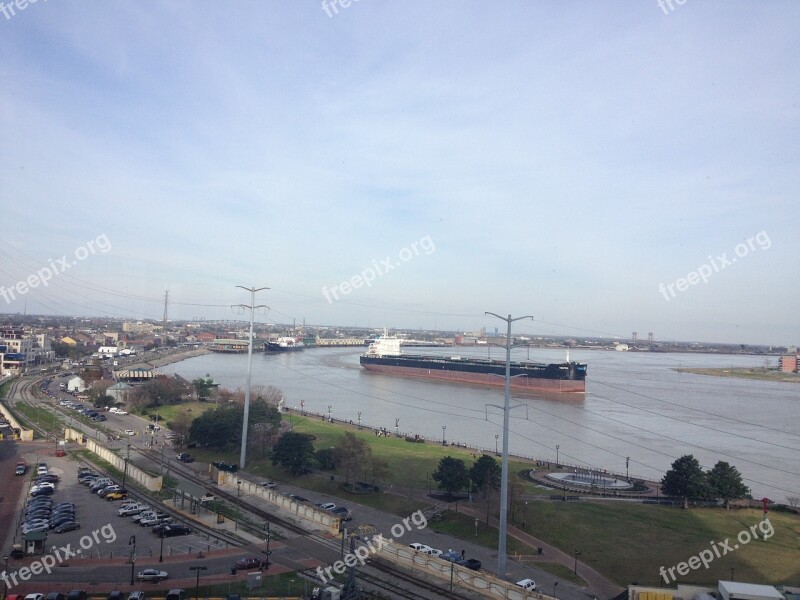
384	356
284	344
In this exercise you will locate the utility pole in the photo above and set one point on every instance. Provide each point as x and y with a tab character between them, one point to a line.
252	306
164	322
501	545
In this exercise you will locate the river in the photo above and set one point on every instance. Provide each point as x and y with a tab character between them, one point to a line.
636	406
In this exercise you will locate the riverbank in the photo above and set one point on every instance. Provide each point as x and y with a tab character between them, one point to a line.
168	359
758	374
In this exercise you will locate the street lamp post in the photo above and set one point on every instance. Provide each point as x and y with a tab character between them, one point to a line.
444	427
577	554
5	572
501	545
732	570
238	496
132	541
496	438
627	461
555	585
161	552
125	470
558	464
267	551
524	512
197	582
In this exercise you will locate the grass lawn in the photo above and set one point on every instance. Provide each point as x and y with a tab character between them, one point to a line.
168	412
625	541
41	416
629	542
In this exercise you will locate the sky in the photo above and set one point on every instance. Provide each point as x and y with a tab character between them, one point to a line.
605	168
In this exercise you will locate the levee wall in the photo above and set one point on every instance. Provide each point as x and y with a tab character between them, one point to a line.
150	482
483	583
301	511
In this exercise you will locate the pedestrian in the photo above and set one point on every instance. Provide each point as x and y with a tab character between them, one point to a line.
463	553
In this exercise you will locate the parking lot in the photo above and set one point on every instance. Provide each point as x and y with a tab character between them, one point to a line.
110	534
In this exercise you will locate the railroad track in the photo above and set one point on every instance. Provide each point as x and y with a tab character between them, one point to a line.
377	574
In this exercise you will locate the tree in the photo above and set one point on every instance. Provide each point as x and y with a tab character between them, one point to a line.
485	474
222	426
725	483
686	480
203	386
451	475
350	453
325	459
294	452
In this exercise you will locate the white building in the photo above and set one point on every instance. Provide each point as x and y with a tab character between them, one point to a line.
76	384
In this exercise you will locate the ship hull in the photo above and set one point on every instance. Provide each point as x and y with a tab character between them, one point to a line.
551	378
271	347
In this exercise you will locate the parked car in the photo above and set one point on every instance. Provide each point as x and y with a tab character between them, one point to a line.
77	595
159	519
470	563
527	584
151	575
34	597
55	596
171	530
224	466
22	468
342	513
326	506
115	596
42	492
419	547
297	498
268	484
68	526
137	596
185	457
132	509
120	494
250	562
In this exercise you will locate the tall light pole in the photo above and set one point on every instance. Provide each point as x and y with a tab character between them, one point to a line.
444	427
132	541
577	554
627	460
5	582
501	546
238	495
252	306
125	471
197	583
496	436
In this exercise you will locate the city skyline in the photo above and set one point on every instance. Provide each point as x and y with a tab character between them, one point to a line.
605	170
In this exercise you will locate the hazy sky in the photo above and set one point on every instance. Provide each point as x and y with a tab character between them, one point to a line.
557	159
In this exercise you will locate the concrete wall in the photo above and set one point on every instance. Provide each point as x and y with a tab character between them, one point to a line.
150	482
302	511
26	435
483	583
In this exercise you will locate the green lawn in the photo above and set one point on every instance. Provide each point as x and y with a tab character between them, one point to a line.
168	412
625	541
629	542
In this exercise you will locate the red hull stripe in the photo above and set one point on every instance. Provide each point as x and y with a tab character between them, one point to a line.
518	384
